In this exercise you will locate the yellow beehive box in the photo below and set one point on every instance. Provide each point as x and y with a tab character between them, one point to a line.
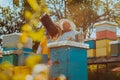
91	53
103	43
103	52
17	70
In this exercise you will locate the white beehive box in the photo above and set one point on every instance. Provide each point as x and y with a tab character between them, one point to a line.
68	43
105	25
12	40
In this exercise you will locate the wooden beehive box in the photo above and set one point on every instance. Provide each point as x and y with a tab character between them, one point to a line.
106	29
106	35
103	43
103	52
115	48
91	53
12	40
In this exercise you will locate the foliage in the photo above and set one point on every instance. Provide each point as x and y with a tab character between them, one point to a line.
84	13
57	9
32	70
10	20
32	15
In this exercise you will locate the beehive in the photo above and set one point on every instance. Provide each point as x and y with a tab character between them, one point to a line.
103	52
103	43
22	58
106	30
118	37
92	43
106	35
17	51
106	27
70	61
0	59
12	40
91	53
17	70
11	58
115	48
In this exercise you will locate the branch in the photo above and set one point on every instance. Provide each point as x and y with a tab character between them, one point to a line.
57	12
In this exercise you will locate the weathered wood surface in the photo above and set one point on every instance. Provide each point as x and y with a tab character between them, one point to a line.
102	60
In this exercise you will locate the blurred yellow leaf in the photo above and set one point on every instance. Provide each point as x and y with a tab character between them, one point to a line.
26	27
34	5
23	37
4	76
28	14
42	76
43	44
19	77
32	60
37	36
6	66
7	69
35	22
46	10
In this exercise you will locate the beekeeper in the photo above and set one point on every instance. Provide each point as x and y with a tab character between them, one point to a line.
68	30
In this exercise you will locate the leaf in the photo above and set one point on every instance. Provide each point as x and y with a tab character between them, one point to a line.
28	14
26	28
36	36
35	22
24	37
16	2
33	4
32	60
45	9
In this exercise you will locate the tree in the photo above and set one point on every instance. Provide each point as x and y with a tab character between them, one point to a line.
13	18
58	8
88	12
10	20
84	13
116	11
23	17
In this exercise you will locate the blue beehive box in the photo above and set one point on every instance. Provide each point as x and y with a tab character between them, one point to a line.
70	61
8	49
92	44
24	55
0	59
11	58
115	48
27	50
22	58
44	58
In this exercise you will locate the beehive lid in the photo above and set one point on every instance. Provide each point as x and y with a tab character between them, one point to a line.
90	39
105	22
68	43
115	42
